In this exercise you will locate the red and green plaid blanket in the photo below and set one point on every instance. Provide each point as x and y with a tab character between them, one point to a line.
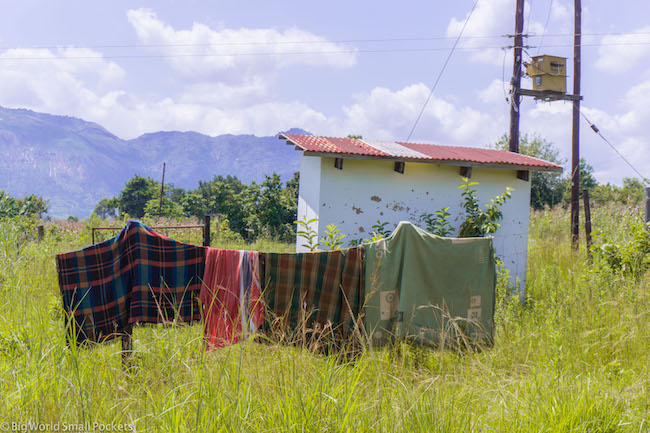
318	290
138	276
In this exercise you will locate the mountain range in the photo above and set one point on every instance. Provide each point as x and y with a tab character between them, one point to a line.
74	163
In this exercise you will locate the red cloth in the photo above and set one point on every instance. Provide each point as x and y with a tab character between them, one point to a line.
256	299
230	292
220	297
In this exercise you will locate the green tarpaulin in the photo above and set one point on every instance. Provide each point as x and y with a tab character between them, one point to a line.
430	289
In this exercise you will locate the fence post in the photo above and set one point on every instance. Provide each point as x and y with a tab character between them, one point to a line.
127	347
585	197
206	231
41	232
647	205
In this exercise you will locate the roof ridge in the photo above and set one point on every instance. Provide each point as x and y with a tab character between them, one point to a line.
356	146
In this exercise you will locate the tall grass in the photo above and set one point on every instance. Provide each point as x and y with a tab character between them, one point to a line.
575	357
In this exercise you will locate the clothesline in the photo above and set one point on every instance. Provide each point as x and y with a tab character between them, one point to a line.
327	297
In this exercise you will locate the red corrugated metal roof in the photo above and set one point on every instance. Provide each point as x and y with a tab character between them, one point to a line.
350	146
429	152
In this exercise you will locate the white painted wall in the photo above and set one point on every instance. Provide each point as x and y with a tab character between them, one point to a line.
309	195
369	190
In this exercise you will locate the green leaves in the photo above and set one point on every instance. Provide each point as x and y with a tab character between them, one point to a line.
309	235
629	257
546	189
136	194
31	205
332	239
266	209
438	224
480	222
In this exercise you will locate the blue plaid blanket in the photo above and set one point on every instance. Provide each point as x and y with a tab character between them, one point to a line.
138	276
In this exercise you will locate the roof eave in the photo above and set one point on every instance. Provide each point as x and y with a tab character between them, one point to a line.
456	163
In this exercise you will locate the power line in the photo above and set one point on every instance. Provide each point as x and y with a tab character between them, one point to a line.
307	42
530	11
548	17
503	76
597	131
225	44
442	70
594	34
295	53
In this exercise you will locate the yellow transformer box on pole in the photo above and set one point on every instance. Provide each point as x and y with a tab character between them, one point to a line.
548	73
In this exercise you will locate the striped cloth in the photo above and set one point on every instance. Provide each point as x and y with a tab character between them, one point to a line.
138	276
317	290
230	296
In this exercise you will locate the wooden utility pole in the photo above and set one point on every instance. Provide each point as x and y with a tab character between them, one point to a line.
575	142
585	199
162	186
647	206
515	99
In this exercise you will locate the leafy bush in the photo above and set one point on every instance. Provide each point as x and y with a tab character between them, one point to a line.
332	239
309	235
480	222
629	257
438	224
31	205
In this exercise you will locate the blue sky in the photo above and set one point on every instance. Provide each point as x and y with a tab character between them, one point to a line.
332	68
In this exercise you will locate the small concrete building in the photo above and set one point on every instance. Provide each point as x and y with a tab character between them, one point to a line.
353	183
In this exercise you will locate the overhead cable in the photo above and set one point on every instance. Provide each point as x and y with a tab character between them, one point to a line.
597	131
441	71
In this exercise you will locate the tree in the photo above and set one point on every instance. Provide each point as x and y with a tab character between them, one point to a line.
292	187
171	202
272	208
587	180
135	195
194	204
632	191
106	208
31	205
268	208
546	189
169	208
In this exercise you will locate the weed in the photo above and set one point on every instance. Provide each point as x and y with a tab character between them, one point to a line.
438	224
332	239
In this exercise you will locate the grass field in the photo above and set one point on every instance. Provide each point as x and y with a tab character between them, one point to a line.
575	358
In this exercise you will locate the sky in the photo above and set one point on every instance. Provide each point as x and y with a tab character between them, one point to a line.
332	68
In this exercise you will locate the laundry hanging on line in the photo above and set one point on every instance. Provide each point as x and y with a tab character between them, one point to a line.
411	285
430	289
138	276
230	295
320	293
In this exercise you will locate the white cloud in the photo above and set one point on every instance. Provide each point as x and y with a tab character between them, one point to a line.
203	53
387	114
223	95
53	82
495	93
561	11
90	89
621	53
134	117
490	18
625	130
496	18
